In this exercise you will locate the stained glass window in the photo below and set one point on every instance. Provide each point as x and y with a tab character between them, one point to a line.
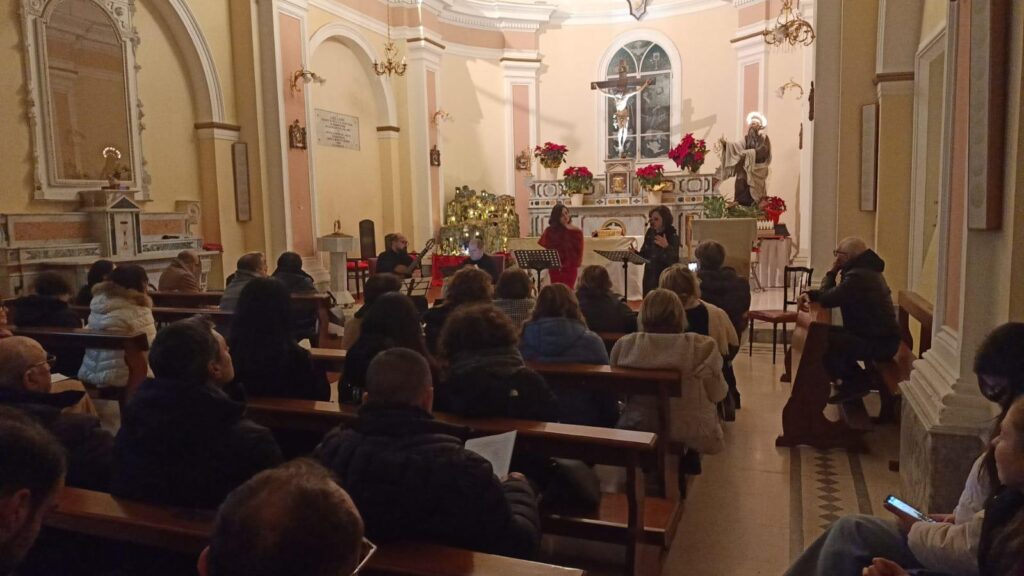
651	110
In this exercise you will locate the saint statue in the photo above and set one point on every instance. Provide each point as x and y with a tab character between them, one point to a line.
748	161
621	91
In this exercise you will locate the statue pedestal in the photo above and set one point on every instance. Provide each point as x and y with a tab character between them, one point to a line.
338	245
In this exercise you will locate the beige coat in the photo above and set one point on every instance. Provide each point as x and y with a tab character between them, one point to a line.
178	278
720	328
694	414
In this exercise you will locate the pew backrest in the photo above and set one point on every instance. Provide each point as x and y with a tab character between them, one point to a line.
134	344
913	305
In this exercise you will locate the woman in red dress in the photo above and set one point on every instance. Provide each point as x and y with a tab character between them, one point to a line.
566	239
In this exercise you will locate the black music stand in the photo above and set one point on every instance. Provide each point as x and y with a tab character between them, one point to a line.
627	257
537	260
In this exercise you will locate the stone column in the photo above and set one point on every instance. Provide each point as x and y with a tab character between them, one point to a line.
520	129
422	81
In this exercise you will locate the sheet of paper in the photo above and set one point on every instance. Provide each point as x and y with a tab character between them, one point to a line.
495	449
57	377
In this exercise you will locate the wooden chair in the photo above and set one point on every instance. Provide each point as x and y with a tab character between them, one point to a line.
796	280
185	531
359	268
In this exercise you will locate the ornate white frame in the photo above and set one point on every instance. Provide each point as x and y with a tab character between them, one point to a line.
47	186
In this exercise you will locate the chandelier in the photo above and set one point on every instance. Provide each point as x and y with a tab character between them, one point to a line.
391	64
789	28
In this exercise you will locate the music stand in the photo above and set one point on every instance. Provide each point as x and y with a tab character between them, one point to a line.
416	286
627	257
537	260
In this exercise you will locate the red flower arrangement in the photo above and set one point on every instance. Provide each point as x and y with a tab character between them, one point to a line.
650	175
773	207
689	153
577	179
550	155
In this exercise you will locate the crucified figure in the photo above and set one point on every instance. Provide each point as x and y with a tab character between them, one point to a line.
620	120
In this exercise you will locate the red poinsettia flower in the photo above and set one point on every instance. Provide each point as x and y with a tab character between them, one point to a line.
577	179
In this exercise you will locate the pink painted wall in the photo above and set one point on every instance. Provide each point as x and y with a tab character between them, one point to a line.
299	196
752	14
958	174
520	142
435	171
751	89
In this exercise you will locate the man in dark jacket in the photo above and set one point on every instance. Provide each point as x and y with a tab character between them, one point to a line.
47	307
183	273
720	286
479	259
412	479
870	330
249	266
289	271
395	259
183	441
25	387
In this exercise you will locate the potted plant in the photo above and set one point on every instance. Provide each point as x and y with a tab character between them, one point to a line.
773	208
551	155
576	180
689	153
652	179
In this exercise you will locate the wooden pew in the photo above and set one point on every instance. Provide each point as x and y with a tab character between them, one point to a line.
610	338
803	421
134	345
187	531
888	375
618	519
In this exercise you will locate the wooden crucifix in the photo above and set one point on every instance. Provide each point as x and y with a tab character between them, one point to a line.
621	90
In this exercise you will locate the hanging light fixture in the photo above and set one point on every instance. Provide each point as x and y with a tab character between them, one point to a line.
391	64
789	28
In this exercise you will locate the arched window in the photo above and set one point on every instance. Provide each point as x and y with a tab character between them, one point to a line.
651	110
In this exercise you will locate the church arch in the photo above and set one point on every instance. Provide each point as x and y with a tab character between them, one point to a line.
655	46
355	40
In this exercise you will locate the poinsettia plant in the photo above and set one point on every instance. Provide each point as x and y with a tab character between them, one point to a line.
650	175
773	203
577	179
550	155
689	153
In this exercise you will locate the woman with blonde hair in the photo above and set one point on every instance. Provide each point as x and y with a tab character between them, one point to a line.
558	333
603	309
707	319
662	343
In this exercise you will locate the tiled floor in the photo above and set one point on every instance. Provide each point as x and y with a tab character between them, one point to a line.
753	508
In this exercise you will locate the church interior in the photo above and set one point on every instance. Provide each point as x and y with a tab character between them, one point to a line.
341	141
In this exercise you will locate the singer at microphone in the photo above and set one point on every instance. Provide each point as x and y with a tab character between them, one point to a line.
661	246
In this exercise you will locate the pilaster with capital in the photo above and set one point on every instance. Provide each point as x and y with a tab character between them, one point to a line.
422	82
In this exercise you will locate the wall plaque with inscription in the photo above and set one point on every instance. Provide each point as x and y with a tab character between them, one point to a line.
338	130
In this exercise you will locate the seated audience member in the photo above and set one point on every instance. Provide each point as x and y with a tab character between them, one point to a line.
467	286
603	309
289	271
375	287
250	266
395	259
478	259
514	295
557	333
443	493
663	343
1000	547
25	386
951	544
98	272
47	307
182	275
182	441
869	330
485	374
267	360
119	304
393	322
706	319
293	520
31	478
4	332
722	286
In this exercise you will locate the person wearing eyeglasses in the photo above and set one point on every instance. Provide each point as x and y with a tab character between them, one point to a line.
293	519
25	386
856	286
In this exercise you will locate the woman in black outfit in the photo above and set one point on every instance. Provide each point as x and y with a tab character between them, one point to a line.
267	360
98	272
661	246
603	309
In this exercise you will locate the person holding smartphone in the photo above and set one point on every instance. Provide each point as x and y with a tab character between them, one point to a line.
661	246
950	544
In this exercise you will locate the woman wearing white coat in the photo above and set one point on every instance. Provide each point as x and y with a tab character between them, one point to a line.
119	304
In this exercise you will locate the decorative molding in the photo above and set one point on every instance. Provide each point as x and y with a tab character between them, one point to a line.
351	35
388	129
530	60
426	40
213	133
211	80
220	125
883	77
613	12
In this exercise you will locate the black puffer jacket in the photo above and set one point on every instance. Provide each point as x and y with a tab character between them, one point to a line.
88	446
606	313
49	312
495	384
186	444
865	300
298	282
411	479
724	288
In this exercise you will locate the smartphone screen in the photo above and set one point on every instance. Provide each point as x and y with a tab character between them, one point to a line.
907	509
692	266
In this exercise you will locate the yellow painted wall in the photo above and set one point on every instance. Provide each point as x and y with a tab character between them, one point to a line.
895	172
859	29
348	182
214	19
473	142
933	15
785	114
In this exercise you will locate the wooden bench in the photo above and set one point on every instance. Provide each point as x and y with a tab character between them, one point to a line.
803	420
610	338
134	345
888	375
619	517
185	531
